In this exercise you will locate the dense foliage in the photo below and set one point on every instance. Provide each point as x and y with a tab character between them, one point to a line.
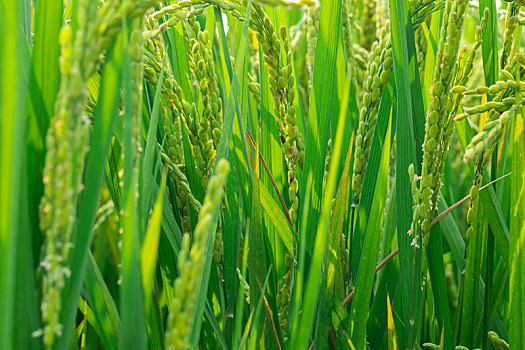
282	174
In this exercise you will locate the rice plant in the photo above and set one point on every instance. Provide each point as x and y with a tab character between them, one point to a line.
253	174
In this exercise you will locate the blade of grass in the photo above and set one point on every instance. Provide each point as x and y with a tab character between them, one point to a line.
517	234
322	106
377	324
280	219
27	317
489	48
251	328
498	297
256	251
170	227
132	312
474	260
338	222
88	318
432	37
147	180
342	76
43	88
436	270
235	83
240	297
297	293
392	336
378	318
269	315
231	239
451	232
366	271
149	249
102	305
215	325
336	227
179	59
313	288
489	45
12	154
487	306
409	258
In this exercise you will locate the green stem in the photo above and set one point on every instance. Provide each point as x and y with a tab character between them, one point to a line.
351	238
457	316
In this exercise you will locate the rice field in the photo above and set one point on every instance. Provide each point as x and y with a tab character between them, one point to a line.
262	174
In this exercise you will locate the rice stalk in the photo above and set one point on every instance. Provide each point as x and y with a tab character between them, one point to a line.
438	128
190	263
378	72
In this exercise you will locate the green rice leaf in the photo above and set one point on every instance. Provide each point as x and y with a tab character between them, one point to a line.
517	234
102	305
12	155
276	216
407	134
43	87
436	270
322	105
489	45
321	247
336	228
132	311
148	251
367	264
